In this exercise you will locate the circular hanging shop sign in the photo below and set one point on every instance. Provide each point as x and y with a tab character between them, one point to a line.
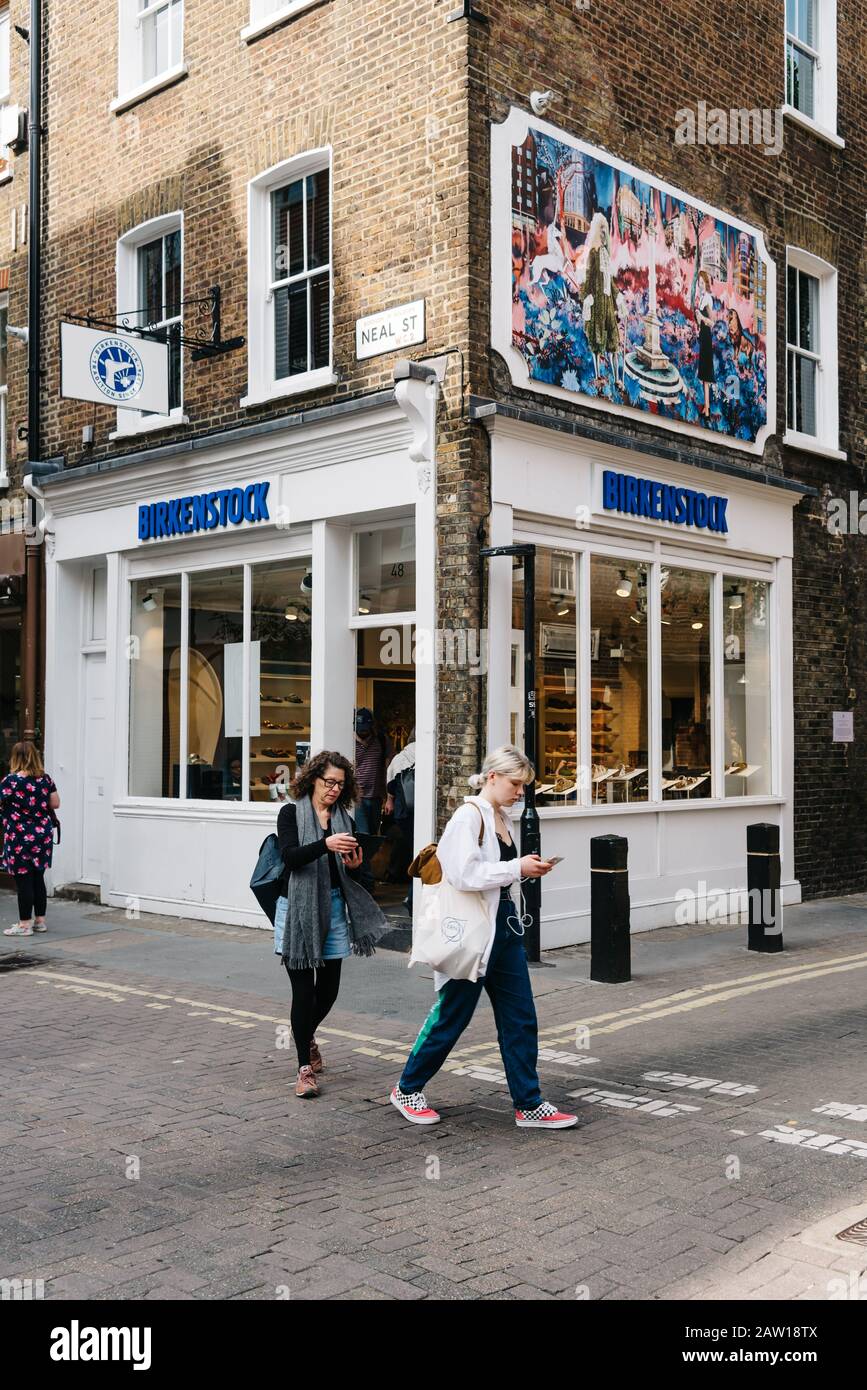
116	369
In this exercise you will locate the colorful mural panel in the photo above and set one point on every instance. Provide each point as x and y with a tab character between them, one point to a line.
630	294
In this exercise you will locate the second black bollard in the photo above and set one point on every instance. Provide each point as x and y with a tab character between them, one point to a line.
765	932
610	955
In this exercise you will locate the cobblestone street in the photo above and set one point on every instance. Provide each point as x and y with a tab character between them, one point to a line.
152	1147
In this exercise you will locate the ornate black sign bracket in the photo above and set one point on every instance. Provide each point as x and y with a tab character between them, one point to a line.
467	11
200	347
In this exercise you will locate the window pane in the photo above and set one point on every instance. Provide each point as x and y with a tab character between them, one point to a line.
791	304
799	77
318	220
177	32
618	679
172	246
287	224
290	330
747	687
558	781
805	394
150	264
214	683
686	697
4	54
799	20
4	343
808	312
386	570
280	674
154	707
320	328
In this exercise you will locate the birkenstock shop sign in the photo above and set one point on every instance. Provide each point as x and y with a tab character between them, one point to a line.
204	511
682	506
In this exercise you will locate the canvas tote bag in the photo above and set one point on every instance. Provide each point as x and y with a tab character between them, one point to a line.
453	929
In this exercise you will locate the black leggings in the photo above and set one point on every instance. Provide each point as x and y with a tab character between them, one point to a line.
313	996
31	894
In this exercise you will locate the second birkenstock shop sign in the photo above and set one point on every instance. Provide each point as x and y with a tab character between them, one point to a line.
205	511
683	506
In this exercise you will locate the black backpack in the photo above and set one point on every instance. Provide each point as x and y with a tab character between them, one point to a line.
268	876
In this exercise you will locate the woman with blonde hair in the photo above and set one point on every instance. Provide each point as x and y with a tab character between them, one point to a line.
477	854
28	798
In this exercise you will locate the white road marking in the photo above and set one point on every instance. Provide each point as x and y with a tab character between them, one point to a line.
701	1083
641	1103
810	1139
843	1111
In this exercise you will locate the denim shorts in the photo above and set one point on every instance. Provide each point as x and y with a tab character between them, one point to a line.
337	944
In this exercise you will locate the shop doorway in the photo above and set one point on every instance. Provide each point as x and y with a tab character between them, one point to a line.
385	687
94	824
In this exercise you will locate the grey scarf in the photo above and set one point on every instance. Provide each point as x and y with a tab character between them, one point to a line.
309	915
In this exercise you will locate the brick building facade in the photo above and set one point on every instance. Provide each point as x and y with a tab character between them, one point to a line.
407	99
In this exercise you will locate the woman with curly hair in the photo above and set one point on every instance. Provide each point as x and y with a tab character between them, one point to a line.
324	912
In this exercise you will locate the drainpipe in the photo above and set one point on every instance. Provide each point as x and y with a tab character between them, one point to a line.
33	541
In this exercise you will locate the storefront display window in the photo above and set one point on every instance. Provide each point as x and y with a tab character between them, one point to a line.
210	697
686	684
746	668
154	648
280	620
557	758
604	706
618	651
386	570
214	685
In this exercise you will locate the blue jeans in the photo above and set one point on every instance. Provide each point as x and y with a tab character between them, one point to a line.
368	813
508	986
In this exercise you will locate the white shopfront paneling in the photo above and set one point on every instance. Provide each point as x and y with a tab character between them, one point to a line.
194	858
546	488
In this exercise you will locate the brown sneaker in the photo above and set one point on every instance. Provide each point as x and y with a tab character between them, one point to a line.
305	1086
316	1061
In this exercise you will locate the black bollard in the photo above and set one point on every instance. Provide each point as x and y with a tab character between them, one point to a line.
765	931
610	957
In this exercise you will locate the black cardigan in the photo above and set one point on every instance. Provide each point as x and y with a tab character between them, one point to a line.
296	855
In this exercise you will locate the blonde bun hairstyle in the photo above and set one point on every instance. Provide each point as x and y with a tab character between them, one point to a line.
507	760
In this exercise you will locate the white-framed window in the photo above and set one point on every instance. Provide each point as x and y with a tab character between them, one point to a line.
267	14
811	352
150	46
5	85
4	386
150	282
290	288
811	64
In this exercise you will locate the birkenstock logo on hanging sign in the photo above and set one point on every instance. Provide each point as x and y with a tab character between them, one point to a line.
643	497
206	511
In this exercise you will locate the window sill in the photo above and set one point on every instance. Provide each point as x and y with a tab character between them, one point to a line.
813	446
162	422
808	123
156	84
250	32
290	386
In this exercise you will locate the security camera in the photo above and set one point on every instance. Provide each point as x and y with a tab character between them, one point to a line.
306	585
540	101
22	333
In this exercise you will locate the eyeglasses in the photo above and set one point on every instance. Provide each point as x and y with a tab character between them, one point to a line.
331	783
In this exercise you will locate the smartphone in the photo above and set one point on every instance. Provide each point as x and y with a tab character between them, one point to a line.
556	859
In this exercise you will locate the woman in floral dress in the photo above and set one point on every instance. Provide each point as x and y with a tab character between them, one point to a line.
28	798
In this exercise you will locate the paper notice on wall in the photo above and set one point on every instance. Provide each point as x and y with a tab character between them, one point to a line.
233	683
844	726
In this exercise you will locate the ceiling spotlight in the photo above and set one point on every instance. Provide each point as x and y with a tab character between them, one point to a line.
306	585
736	599
634	619
291	614
624	586
562	612
697	625
149	603
364	604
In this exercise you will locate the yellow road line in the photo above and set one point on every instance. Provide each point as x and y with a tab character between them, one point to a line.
652	1008
53	976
